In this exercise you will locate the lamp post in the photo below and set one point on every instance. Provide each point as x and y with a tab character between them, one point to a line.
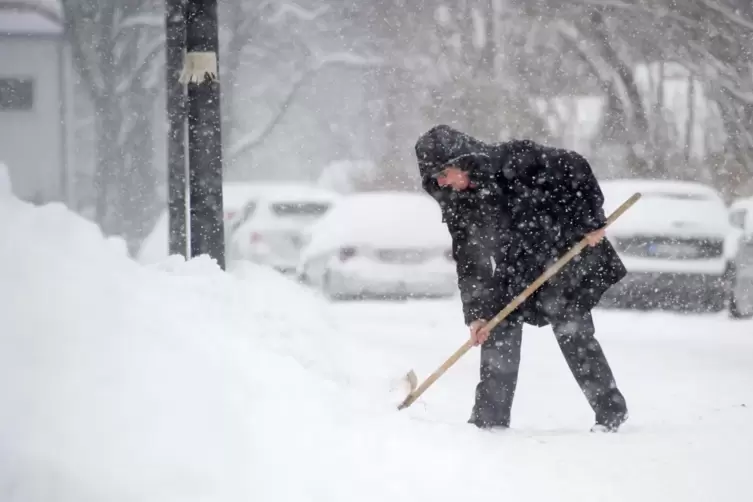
200	74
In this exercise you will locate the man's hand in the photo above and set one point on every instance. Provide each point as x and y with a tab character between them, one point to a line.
479	331
595	237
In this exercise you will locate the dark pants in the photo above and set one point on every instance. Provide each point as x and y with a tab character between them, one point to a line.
500	360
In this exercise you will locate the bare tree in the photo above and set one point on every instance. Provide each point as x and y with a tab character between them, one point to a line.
117	50
279	42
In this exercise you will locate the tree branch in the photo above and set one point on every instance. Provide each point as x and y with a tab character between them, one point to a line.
729	14
72	28
599	66
346	59
656	12
154	50
295	10
722	75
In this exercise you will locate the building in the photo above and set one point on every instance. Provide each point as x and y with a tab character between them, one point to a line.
36	85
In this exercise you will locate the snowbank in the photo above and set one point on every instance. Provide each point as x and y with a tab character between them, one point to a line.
179	382
112	388
155	247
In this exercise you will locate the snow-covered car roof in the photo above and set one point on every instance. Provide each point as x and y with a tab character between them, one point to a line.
667	206
235	194
386	219
691	189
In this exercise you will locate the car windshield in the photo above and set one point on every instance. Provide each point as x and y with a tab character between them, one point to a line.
306	209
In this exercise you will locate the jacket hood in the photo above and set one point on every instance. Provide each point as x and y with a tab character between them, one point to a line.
442	145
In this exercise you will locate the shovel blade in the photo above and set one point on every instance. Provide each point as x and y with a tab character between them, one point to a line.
410	381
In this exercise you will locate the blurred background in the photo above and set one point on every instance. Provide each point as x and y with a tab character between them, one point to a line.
335	92
324	99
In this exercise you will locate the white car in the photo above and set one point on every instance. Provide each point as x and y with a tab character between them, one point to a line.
676	242
235	194
268	228
741	296
381	244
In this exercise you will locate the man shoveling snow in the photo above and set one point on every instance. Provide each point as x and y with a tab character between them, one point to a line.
512	209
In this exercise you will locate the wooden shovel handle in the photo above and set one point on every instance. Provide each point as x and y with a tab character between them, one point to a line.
515	303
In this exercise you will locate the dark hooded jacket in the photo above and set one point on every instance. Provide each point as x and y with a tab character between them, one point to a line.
528	204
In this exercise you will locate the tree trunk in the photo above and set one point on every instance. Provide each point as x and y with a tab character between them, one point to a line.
690	123
737	166
137	185
109	164
660	130
639	124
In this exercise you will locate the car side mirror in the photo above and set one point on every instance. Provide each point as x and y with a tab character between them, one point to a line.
736	222
747	224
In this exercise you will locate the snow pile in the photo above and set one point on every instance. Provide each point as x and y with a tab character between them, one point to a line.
177	382
155	247
110	390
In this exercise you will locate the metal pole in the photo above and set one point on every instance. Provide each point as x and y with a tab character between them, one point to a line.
175	33
204	131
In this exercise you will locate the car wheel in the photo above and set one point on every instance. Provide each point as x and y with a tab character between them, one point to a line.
740	299
717	297
717	301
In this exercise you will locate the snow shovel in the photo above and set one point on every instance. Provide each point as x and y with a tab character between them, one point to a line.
410	378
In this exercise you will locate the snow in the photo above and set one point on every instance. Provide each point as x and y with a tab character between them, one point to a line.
742	203
176	381
698	206
155	247
6	189
341	176
236	194
397	220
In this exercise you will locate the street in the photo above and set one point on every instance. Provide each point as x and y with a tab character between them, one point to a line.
688	381
676	371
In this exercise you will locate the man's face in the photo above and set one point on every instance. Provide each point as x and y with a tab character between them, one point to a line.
453	177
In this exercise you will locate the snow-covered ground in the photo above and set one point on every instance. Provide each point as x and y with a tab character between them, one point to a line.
177	382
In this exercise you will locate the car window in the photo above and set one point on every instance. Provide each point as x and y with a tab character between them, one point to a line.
306	209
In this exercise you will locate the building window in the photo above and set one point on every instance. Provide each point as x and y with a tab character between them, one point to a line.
16	94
